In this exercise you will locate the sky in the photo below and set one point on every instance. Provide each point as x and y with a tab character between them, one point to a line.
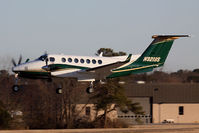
81	27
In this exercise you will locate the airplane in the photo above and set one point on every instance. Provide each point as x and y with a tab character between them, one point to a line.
95	68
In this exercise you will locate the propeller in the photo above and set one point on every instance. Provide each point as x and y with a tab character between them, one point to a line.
19	62
45	52
20	59
46	67
46	60
13	62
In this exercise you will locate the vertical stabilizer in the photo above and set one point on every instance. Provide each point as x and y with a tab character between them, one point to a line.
154	56
158	50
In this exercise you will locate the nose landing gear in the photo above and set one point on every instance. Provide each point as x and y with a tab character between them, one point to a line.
15	88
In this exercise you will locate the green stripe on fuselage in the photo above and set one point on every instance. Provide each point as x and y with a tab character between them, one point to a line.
130	70
59	67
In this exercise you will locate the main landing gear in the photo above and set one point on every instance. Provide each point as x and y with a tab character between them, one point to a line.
16	87
59	90
92	87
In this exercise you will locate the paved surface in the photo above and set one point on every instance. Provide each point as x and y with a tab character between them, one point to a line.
133	129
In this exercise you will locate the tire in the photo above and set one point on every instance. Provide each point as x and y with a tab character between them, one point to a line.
90	90
59	90
15	88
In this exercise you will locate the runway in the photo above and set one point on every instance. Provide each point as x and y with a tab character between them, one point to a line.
133	129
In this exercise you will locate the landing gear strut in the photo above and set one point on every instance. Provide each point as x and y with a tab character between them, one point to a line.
91	88
16	87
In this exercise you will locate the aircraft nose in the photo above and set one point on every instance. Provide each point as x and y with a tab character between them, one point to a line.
14	69
17	68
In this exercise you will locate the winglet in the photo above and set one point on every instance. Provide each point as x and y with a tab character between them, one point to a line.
101	54
128	58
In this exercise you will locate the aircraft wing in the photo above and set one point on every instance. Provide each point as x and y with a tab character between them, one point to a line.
102	72
102	67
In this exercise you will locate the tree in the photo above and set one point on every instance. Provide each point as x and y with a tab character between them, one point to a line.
6	63
5	117
69	113
113	93
108	52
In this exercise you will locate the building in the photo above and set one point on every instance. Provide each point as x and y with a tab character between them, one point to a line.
164	102
161	102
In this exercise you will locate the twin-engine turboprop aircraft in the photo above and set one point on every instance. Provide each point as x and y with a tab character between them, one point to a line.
93	68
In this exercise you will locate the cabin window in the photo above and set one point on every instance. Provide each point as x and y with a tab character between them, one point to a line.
52	59
63	60
76	60
70	60
181	110
99	61
94	61
88	61
82	60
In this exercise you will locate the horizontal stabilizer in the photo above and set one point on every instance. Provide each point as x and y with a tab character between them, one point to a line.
164	38
170	36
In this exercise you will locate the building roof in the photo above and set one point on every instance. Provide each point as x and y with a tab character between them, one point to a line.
165	92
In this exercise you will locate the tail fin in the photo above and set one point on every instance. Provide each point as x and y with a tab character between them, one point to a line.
158	50
154	56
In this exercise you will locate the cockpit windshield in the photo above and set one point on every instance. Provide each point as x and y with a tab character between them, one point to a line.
43	57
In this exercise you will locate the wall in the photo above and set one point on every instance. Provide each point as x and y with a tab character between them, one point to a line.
82	109
164	111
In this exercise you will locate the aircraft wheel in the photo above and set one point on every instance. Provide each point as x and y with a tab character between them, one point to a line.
59	90
90	90
15	88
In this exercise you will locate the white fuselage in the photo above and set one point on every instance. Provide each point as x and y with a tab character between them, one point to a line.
74	66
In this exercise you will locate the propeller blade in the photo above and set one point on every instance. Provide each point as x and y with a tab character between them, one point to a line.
20	58
45	52
46	61
13	62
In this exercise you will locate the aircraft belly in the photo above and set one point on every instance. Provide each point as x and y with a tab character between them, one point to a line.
76	73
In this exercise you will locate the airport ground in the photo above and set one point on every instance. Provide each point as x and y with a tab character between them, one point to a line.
166	128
